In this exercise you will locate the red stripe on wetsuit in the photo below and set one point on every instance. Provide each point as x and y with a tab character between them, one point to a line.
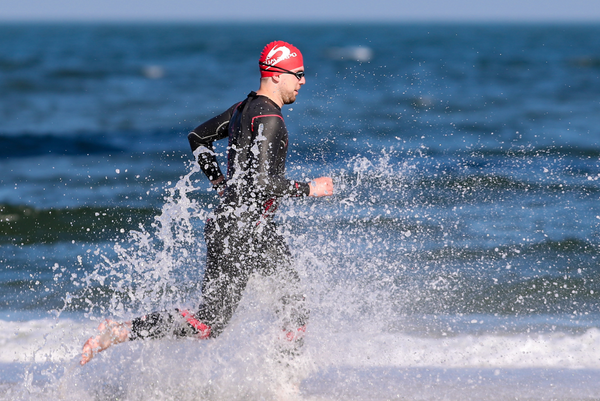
290	335
202	329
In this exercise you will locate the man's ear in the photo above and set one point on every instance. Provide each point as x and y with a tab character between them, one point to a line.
276	79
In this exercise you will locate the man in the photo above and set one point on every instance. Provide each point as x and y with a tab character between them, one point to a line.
241	237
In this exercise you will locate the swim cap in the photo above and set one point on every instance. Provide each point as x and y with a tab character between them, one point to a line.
277	57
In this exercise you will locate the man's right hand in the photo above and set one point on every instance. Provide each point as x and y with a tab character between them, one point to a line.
322	186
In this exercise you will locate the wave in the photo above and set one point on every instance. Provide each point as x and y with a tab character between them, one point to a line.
26	225
456	294
60	340
567	247
313	148
28	145
583	152
403	186
39	362
90	143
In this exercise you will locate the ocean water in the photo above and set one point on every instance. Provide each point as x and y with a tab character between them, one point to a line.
458	259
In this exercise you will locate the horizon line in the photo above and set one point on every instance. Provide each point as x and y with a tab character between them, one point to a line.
302	20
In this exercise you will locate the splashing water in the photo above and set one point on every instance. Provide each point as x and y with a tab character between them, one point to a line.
160	268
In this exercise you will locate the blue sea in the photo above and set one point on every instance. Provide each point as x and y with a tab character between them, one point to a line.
457	260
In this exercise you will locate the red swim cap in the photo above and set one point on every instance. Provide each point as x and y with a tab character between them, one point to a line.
277	57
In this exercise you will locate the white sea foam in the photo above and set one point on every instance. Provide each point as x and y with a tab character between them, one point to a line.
40	361
556	350
42	340
47	340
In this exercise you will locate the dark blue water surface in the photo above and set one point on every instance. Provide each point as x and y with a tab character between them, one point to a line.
466	159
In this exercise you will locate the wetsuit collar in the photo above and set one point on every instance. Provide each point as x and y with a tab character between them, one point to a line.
253	94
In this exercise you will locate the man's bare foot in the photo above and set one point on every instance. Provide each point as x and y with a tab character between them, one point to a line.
111	333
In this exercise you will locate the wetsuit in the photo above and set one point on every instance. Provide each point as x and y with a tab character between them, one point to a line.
241	237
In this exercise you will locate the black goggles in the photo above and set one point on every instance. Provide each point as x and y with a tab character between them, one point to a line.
299	74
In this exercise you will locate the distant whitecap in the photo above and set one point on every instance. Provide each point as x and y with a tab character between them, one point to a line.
153	71
356	53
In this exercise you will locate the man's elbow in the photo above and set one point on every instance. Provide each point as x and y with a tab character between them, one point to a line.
194	140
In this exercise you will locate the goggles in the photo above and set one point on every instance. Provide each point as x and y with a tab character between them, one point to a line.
299	74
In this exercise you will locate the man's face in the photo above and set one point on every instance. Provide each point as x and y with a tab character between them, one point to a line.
290	86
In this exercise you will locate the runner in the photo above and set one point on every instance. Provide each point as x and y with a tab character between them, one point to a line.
241	237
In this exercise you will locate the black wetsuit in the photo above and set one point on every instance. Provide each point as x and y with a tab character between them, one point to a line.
241	237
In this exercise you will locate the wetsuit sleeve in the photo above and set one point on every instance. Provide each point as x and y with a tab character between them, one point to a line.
269	151
203	137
